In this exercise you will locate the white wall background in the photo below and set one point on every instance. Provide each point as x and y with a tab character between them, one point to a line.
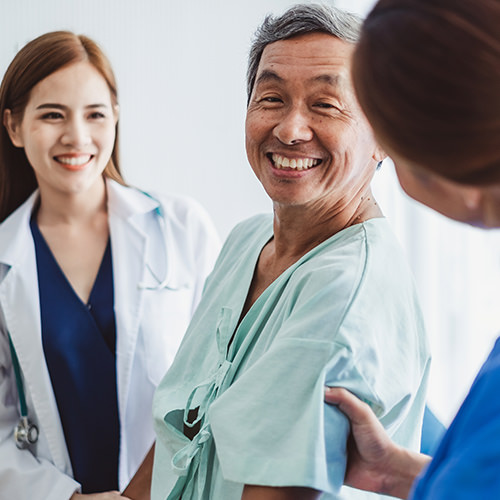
181	68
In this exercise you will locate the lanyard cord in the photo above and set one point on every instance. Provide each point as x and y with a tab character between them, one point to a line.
19	382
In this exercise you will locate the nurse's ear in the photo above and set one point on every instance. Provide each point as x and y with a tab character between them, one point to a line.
13	126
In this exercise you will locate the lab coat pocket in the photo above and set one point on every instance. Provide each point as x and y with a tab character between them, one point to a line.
166	316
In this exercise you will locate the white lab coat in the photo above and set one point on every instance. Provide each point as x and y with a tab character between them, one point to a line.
150	237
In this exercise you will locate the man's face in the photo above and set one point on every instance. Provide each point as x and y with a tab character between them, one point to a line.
306	138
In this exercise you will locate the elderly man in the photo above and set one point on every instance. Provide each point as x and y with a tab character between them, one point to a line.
316	294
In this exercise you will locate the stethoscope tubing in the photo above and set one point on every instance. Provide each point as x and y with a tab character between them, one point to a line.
19	382
25	433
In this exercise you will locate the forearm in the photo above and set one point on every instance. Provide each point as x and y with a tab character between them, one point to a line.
251	492
139	487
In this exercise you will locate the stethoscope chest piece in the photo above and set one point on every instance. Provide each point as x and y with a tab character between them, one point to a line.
25	433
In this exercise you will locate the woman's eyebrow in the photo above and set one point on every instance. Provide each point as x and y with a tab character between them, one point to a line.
50	105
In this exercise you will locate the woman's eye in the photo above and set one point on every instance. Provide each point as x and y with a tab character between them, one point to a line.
97	115
52	115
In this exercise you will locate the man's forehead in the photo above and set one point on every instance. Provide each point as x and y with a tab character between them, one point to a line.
324	53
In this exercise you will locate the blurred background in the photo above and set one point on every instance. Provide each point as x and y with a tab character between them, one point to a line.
181	69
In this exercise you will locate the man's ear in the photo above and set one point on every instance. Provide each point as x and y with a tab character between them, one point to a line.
13	127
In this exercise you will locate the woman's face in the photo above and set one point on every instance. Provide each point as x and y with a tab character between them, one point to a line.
67	129
475	205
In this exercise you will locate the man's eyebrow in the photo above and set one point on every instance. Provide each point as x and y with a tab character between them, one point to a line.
268	76
333	80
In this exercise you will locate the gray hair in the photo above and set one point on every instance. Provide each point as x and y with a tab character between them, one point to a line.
299	20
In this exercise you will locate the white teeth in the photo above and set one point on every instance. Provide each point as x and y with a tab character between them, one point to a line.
74	160
295	164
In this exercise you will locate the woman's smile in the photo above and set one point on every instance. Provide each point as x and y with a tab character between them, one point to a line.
74	161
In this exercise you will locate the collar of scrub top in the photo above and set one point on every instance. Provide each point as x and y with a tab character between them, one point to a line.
25	432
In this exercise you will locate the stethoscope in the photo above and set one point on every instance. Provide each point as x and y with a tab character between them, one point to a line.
161	284
25	432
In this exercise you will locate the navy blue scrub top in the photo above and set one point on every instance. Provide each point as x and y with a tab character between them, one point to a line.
79	346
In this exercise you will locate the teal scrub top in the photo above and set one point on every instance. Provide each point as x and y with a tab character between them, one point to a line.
345	314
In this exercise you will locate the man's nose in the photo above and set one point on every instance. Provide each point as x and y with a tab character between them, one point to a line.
294	127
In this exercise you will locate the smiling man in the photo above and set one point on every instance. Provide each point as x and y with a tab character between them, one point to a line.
316	294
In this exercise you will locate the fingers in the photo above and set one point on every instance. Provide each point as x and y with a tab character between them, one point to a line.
106	495
356	410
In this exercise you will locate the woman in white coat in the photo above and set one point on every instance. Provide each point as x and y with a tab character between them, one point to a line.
98	280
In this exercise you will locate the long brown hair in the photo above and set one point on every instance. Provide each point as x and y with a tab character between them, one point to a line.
37	60
427	75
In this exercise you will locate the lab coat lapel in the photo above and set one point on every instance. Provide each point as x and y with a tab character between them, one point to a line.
129	216
21	309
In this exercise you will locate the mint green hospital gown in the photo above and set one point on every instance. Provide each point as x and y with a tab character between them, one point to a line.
345	314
